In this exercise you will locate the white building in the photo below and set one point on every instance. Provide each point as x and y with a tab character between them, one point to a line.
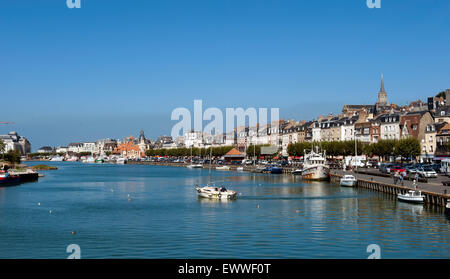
193	139
390	126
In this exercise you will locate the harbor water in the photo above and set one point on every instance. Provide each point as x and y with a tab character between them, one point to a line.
138	211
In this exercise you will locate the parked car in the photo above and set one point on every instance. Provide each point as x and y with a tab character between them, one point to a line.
426	172
396	168
385	168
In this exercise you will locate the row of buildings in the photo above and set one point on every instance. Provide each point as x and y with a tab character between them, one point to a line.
14	142
428	122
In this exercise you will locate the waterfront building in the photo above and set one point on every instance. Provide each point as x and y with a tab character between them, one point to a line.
62	149
413	124
13	142
263	134
442	139
390	126
288	135
75	147
442	114
234	155
105	145
128	149
315	132
164	140
347	129
430	143
193	139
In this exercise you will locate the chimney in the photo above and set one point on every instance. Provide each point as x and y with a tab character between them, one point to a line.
447	96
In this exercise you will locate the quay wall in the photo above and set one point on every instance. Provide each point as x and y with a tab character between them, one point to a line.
430	197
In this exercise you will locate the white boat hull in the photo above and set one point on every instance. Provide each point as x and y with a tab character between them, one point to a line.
207	192
317	172
348	183
412	199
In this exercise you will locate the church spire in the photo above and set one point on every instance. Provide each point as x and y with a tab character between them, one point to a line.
382	84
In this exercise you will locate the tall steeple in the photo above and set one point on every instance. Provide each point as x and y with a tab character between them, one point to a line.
382	95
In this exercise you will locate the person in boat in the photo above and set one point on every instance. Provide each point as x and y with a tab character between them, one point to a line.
223	189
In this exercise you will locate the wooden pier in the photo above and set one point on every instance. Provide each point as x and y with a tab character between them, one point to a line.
430	197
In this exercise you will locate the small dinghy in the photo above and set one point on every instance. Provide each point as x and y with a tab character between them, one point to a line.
348	180
413	196
240	168
215	193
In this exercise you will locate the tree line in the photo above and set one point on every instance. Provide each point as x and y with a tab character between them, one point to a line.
183	151
406	148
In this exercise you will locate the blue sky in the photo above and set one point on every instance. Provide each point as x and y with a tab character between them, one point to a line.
114	67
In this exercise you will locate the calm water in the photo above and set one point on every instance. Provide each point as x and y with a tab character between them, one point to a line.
273	217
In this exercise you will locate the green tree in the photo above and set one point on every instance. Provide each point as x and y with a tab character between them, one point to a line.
407	148
2	148
13	156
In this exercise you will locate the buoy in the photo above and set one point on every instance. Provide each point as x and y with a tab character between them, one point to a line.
50	211
39	203
257	206
74	232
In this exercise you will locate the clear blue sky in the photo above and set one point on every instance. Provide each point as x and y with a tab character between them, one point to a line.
114	67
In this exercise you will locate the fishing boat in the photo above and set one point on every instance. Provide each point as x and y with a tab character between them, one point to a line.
413	196
223	168
348	180
315	167
215	193
6	178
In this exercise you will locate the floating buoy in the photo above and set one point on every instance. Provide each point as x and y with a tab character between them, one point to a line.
257	206
50	211
39	203
74	232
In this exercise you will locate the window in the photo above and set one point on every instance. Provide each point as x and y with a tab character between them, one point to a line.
414	127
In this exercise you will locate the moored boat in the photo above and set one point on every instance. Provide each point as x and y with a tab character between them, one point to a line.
215	193
413	196
7	179
315	167
121	161
240	168
297	172
348	180
195	166
223	168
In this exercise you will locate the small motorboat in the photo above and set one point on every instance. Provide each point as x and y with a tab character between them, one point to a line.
7	179
121	161
273	169
413	196
348	180
240	168
297	172
259	169
215	193
195	166
223	168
